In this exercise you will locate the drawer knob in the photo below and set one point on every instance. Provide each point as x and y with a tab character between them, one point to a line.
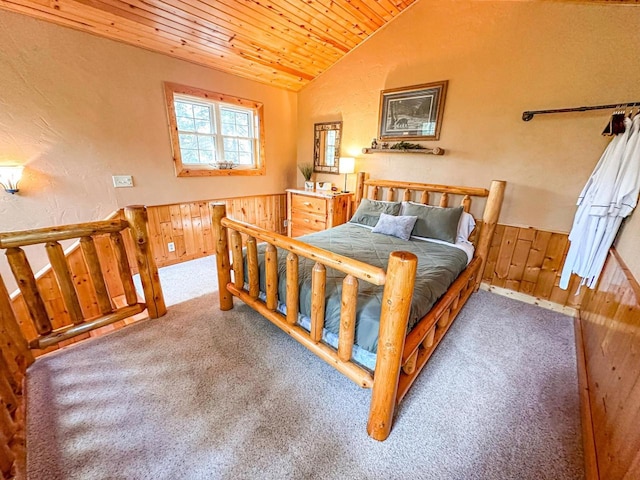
308	204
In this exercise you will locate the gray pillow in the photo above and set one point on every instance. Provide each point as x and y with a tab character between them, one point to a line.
396	226
434	222
369	211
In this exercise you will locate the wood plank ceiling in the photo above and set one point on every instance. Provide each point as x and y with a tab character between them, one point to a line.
285	43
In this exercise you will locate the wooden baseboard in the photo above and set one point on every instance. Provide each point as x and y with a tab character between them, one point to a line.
523	297
588	439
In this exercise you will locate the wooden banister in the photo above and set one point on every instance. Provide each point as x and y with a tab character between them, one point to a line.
63	232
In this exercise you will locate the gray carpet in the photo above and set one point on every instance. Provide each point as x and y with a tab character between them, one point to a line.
201	394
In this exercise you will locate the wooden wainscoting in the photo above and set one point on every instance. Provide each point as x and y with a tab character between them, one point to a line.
187	225
610	320
526	263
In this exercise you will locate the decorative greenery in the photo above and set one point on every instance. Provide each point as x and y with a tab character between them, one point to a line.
307	170
407	146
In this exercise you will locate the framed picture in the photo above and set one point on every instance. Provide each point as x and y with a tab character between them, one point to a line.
412	112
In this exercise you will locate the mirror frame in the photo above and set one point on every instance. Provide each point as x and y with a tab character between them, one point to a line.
318	128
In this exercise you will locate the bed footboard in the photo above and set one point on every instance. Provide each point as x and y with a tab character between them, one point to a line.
398	283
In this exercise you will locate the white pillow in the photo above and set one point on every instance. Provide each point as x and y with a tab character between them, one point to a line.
395	226
465	226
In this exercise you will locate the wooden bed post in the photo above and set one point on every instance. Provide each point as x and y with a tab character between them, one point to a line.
218	212
396	304
136	215
359	189
489	222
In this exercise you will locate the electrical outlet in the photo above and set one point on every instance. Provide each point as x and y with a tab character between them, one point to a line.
171	247
286	222
120	181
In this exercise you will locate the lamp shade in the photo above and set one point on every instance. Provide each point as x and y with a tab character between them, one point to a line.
10	175
347	165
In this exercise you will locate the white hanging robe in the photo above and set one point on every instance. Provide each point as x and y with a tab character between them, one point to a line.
606	199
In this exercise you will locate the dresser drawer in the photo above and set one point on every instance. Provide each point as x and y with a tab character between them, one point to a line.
298	231
303	203
308	221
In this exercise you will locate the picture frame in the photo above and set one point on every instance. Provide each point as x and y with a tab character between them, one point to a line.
413	112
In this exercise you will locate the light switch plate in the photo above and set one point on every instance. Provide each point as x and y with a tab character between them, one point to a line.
120	181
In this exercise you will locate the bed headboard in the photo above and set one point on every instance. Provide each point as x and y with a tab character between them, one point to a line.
392	190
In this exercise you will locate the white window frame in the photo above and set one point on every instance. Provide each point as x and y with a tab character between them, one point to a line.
215	101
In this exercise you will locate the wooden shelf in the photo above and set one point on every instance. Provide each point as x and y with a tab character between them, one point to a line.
424	151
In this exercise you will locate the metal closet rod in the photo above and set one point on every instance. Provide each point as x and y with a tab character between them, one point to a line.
528	115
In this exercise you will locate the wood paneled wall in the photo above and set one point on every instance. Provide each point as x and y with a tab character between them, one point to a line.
187	225
610	320
529	262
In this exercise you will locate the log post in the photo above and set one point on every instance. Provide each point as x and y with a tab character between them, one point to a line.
444	200
62	273
318	300
466	203
293	290
424	197
11	335
407	195
29	288
488	225
136	215
238	261
253	267
360	193
271	273
218	212
92	261
124	269
391	194
396	304
348	317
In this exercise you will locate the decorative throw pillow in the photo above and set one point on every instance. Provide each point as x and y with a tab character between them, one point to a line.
369	211
400	227
434	222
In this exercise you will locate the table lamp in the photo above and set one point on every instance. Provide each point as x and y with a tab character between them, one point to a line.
346	166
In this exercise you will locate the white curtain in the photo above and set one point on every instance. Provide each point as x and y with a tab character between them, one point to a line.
611	194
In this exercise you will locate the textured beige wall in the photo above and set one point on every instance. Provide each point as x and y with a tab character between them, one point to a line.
78	109
500	58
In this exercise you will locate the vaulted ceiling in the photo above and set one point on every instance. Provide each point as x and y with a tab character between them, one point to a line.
285	43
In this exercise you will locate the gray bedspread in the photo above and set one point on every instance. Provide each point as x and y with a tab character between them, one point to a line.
438	267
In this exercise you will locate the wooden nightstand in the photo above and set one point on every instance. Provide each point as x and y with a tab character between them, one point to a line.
309	212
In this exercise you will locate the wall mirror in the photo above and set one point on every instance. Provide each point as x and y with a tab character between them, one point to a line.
326	146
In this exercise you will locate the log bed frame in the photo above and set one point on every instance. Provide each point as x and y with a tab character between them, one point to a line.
400	356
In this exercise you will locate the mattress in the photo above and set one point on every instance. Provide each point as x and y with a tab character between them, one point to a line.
438	266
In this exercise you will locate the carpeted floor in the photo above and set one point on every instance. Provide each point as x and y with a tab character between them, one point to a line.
204	394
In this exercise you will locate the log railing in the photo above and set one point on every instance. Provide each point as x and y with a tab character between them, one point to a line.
48	331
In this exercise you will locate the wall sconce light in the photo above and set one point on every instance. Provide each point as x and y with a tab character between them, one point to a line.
10	175
346	166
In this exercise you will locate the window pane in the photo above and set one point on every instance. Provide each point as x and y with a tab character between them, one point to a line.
242	118
244	145
231	156
183	109
227	116
185	124
189	156
205	143
203	126
188	141
228	129
206	156
230	144
244	159
242	131
202	113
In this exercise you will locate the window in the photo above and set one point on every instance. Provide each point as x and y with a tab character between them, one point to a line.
213	133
